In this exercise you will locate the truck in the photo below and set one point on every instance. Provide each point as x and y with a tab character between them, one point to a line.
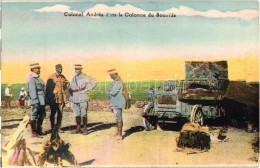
203	94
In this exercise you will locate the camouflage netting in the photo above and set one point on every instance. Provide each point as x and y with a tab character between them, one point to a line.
198	70
204	81
192	136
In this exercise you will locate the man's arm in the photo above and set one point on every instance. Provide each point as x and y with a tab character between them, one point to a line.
65	82
116	88
33	92
91	84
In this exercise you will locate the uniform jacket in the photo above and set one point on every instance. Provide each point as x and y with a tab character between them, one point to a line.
79	86
35	88
55	89
116	95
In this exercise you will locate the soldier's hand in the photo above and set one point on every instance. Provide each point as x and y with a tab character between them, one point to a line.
111	109
70	91
37	105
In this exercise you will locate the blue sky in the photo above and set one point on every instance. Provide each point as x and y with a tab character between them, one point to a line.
41	34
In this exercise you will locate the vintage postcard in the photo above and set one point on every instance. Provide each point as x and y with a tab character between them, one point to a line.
100	83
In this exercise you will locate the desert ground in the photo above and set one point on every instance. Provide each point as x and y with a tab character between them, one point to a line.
138	147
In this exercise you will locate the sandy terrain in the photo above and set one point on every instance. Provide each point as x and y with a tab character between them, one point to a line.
139	147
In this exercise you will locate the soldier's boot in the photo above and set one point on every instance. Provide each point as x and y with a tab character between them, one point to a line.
39	126
85	122
120	129
78	130
116	132
33	129
58	125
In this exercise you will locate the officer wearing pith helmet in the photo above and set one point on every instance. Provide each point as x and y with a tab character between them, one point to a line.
80	85
36	93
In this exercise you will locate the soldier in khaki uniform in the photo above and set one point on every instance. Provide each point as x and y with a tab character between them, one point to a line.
117	100
80	85
55	96
36	93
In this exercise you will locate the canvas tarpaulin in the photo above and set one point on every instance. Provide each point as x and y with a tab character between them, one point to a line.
243	93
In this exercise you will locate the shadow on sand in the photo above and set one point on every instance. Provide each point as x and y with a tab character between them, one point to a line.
133	130
18	119
10	126
92	127
89	162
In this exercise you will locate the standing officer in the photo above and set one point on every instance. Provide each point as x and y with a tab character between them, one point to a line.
117	100
55	95
79	86
36	95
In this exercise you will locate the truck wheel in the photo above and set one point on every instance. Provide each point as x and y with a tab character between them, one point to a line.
148	125
196	115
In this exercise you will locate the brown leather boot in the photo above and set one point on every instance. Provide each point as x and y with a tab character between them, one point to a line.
120	129
78	130
116	131
85	122
33	129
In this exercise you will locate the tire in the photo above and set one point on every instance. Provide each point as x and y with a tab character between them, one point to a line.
148	125
196	115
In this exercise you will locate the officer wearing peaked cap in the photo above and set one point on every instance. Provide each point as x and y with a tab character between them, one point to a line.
80	85
36	93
